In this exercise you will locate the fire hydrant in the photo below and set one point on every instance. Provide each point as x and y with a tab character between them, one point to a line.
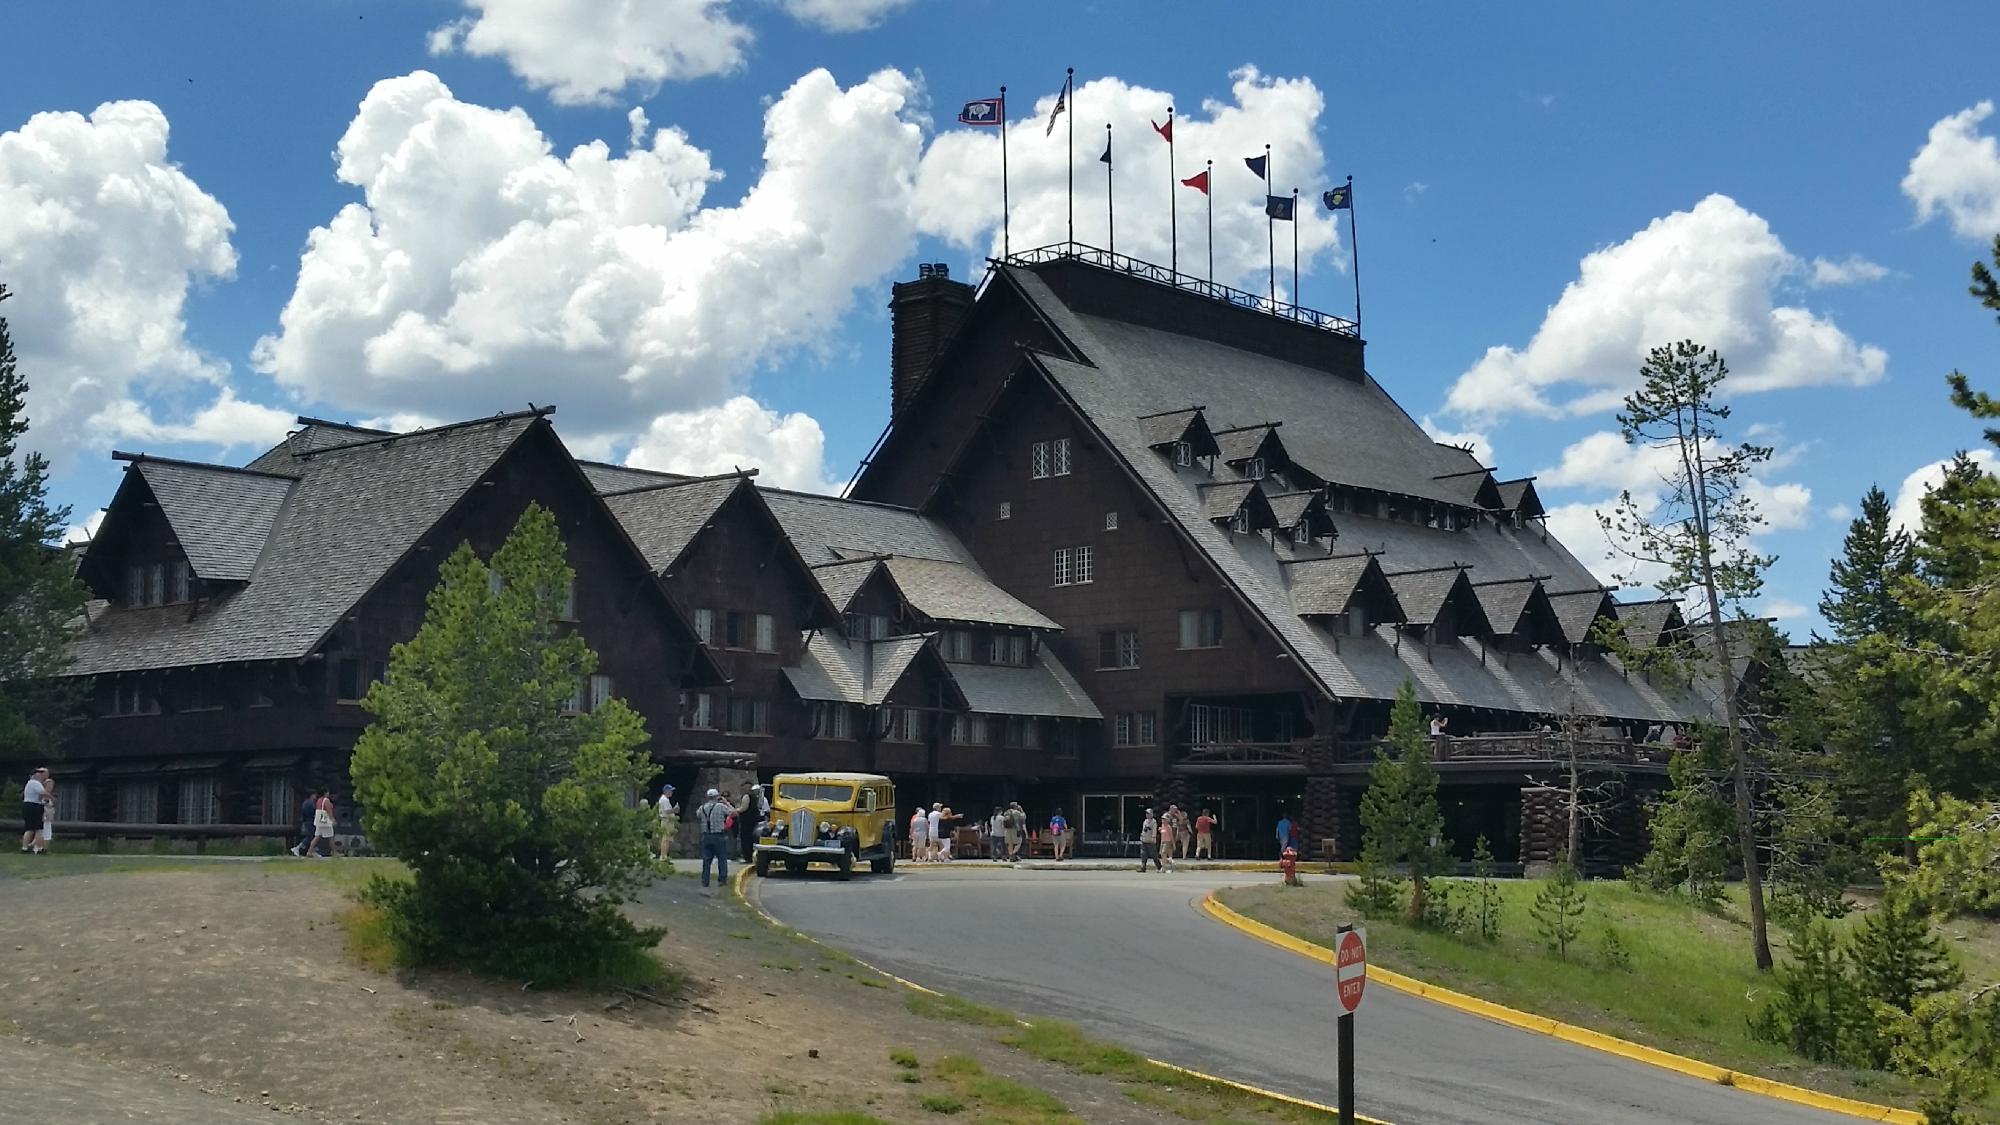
1288	863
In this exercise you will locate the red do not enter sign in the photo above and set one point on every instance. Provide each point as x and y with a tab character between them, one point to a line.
1350	971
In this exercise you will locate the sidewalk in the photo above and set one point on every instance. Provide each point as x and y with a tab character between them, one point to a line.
1102	863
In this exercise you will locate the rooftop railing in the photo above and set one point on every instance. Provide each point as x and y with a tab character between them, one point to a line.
1161	275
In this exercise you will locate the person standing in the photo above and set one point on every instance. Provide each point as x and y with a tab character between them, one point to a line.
1183	832
1284	833
712	820
1167	834
749	821
1017	831
920	836
996	834
936	828
670	820
1059	835
1204	836
1149	842
34	809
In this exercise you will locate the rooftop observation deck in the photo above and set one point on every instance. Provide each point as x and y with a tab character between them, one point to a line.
1170	279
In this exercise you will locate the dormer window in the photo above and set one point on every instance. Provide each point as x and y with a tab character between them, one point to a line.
1183	454
1254	468
1240	522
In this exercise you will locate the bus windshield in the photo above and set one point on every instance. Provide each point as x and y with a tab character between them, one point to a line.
814	791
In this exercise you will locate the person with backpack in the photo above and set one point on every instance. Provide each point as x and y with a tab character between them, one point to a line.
1017	831
713	820
1059	835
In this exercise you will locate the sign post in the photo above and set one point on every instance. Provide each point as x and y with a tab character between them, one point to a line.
1350	976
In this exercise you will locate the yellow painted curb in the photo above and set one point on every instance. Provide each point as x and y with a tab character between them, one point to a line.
743	875
1571	1033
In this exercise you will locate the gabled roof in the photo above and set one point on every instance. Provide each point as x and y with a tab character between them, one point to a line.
313	434
843	670
1506	600
1244	442
1325	587
1578	610
953	591
221	516
1044	689
1519	496
1188	425
1647	623
840	581
1288	509
1423	593
1473	488
1221	499
355	511
619	478
664	518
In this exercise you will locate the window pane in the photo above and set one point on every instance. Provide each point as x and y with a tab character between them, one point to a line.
1122	730
1147	732
1190	632
878	626
1128	650
177	582
568	612
156	584
135	585
1038	460
732	629
1081	569
1062	566
704	625
1006	509
767	633
1061	456
600	691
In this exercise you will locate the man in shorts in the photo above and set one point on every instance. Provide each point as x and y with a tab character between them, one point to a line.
920	836
1204	836
670	820
34	810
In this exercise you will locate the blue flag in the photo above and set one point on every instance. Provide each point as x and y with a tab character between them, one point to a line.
1339	199
1279	207
1258	164
985	111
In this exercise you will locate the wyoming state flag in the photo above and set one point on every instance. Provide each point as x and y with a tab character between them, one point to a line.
985	111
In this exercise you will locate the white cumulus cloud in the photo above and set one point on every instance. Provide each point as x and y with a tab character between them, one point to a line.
788	450
227	422
482	269
101	239
958	193
843	15
85	531
1957	173
1851	270
1707	274
584	51
1907	511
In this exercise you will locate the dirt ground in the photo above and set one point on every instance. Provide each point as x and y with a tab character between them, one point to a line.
222	993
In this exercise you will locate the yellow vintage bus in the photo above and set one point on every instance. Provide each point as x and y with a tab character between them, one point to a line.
838	818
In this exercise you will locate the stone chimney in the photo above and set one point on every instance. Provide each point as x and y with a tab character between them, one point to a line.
923	315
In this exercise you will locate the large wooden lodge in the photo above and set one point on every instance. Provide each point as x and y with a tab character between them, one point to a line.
1127	539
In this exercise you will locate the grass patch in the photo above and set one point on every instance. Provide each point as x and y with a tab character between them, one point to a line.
837	1117
904	1058
942	1103
952	1009
1715	986
17	865
367	938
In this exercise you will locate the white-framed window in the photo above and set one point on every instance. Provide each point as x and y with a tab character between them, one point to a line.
766	639
970	730
601	688
139	802
1062	572
1059	457
1148	729
198	803
1134	728
1201	628
1118	648
1111	521
1240	522
1080	566
904	724
704	625
1183	454
698	710
1006	509
276	799
1254	468
878	627
1038	460
1121	729
567	611
1209	725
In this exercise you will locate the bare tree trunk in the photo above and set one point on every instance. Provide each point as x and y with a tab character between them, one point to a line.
1575	853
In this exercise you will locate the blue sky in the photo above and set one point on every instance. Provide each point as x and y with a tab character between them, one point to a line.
1492	152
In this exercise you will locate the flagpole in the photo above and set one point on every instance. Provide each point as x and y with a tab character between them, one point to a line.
1173	205
1270	227
1295	248
1069	96
1210	194
1006	242
1110	203
1354	251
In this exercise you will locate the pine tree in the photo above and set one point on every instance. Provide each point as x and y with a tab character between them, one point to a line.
1558	909
1689	831
508	806
1899	958
1816	1009
37	582
1401	825
1486	900
1862	584
1699	531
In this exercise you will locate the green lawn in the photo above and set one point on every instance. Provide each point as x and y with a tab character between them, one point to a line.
1690	989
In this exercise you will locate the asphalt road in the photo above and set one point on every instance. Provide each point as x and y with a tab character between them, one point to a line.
1130	959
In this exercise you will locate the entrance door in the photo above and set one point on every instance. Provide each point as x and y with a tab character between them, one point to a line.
1241	833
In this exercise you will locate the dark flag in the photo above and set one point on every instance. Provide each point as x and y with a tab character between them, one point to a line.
1279	207
1198	181
985	111
1106	158
1062	103
1258	164
1339	199
1166	131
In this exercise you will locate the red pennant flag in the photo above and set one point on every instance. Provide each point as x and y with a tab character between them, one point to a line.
1166	131
1198	181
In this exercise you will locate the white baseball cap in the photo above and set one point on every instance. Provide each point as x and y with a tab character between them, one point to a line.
715	793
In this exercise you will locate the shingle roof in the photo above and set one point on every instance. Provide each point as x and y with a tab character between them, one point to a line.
1504	601
952	591
663	520
1288	507
1645	621
1422	593
1165	429
1349	433
220	516
1515	493
840	670
1577	610
1220	500
1324	586
1044	688
841	581
1244	443
618	478
352	515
